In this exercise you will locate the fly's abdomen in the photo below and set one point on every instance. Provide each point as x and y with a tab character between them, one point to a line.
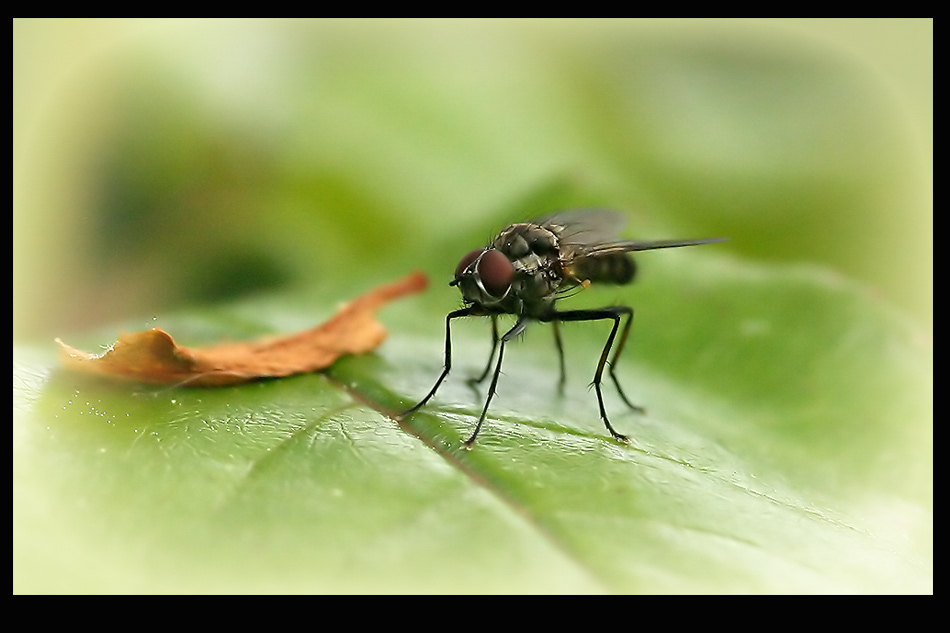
611	268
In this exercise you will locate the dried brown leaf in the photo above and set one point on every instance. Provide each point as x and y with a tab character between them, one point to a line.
153	356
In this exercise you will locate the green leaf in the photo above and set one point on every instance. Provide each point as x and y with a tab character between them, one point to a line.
769	459
224	180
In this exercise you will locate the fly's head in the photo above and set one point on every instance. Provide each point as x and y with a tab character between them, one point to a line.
484	276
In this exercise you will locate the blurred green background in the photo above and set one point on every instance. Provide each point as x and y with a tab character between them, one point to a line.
230	178
160	163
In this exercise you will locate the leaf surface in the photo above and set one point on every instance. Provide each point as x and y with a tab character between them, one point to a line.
744	475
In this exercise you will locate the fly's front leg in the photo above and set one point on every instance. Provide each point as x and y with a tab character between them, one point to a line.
510	334
447	367
560	356
494	345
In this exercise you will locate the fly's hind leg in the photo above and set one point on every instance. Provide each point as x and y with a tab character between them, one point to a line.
616	314
613	361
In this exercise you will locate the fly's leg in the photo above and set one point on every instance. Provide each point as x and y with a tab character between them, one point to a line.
616	313
494	345
560	356
448	359
613	361
510	334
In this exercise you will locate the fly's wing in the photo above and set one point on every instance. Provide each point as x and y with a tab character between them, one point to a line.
628	246
591	251
585	227
595	232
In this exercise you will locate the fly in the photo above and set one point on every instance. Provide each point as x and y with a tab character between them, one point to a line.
524	271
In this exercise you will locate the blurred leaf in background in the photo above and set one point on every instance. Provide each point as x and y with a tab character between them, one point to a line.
167	162
231	178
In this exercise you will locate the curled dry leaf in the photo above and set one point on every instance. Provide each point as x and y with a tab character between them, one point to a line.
153	356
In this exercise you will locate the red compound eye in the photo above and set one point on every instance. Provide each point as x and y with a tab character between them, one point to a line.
496	272
466	261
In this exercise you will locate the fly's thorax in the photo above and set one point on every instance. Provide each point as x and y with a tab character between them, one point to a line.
535	284
522	240
533	251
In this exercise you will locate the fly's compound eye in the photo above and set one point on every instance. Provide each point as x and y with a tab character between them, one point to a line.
495	272
467	261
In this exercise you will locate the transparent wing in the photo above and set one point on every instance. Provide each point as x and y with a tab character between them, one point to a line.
593	232
585	226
